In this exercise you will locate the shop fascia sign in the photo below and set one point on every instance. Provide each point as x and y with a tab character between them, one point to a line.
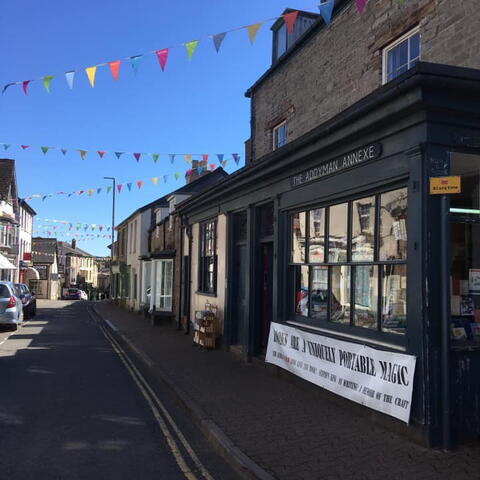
346	162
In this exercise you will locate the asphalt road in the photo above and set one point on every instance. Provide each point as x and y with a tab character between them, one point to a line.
72	408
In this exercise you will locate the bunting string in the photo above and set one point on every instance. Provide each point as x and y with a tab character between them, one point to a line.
161	55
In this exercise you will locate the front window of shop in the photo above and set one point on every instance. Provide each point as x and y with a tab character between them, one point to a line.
207	271
348	263
164	286
464	251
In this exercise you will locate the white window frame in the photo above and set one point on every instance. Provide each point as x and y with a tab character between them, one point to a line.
274	134
161	286
395	44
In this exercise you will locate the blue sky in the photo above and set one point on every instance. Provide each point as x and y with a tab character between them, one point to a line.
194	106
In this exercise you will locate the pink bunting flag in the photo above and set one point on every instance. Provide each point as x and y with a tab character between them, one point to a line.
101	153
162	56
80	192
139	184
212	167
114	68
25	86
137	156
119	187
205	157
290	19
100	227
361	5
24	146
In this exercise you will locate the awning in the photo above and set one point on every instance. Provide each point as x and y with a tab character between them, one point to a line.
32	274
6	264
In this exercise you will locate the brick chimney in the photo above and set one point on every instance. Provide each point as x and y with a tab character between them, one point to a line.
74	243
192	174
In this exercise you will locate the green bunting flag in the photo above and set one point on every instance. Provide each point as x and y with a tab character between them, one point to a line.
191	46
46	82
44	149
109	188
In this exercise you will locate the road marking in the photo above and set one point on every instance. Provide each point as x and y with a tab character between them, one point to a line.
153	401
19	327
111	325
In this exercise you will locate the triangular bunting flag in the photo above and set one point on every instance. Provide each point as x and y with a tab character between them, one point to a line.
224	163
191	46
252	31
188	158
205	158
199	170
98	191
100	227
155	180
114	68
45	149
361	5
165	178
326	10
220	157
236	157
135	61
119	154
290	19
101	153
90	192
155	157
69	76
6	86
172	157
6	146
46	82
218	39
83	153
129	186
25	86
91	71
177	175
80	192
25	146
212	167
139	184
137	156
109	188
162	56
119	187
63	150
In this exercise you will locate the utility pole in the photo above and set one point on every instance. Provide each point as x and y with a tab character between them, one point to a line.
113	179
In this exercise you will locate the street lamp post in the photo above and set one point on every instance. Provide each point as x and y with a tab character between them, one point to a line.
113	179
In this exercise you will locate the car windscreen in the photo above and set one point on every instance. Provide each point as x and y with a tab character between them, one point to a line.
72	290
4	291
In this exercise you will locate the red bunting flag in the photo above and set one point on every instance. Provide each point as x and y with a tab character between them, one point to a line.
205	157
162	56
137	156
25	86
212	167
119	187
24	146
139	184
101	153
114	68
290	19
80	192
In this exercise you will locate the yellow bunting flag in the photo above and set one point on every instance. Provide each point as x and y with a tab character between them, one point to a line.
191	46
155	180
90	192
91	74
188	157
252	31
82	154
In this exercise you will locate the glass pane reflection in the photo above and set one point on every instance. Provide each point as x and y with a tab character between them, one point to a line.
394	298
340	294
366	296
393	225
301	291
363	229
317	235
337	240
319	292
299	225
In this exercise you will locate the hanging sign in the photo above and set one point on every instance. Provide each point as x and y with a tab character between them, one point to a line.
445	185
348	161
377	379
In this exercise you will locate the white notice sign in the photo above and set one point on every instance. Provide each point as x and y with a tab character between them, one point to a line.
378	379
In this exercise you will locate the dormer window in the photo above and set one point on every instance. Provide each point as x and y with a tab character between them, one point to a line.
279	135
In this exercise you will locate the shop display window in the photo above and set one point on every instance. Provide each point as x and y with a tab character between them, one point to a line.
358	278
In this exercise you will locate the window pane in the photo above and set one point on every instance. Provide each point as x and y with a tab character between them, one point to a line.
467	166
414	47
299	225
393	225
319	293
337	241
317	236
402	50
363	229
281	40
240	225
366	297
301	291
340	294
394	298
266	220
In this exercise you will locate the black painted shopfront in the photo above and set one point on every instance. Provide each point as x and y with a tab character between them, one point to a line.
355	247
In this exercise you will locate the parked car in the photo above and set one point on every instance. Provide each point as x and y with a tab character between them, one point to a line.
83	295
29	301
73	294
11	307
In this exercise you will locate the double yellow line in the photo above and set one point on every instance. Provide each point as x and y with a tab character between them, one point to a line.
159	411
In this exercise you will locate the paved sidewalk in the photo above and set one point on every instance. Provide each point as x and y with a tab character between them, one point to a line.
285	428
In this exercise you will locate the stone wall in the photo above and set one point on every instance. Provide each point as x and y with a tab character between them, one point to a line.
342	62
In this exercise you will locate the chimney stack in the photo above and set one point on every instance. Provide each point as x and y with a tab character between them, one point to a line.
74	243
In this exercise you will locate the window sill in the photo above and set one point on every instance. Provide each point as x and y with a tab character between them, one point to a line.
357	338
206	294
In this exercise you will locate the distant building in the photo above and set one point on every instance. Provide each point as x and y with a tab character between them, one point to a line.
45	261
25	265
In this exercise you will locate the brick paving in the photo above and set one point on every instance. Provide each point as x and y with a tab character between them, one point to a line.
287	427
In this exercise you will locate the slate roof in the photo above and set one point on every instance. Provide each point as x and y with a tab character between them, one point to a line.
66	249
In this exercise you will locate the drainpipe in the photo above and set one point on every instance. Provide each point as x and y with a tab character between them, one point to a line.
445	331
180	296
188	279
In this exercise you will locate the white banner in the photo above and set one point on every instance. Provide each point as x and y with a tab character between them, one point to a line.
375	378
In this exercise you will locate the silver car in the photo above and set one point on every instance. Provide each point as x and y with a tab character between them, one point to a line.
11	308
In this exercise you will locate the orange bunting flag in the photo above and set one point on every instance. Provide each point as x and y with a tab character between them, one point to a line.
290	19
162	56
91	74
83	153
137	156
188	157
90	192
212	167
252	31
114	67
139	184
155	180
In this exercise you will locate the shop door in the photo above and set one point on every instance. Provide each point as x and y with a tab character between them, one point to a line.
239	296
265	306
